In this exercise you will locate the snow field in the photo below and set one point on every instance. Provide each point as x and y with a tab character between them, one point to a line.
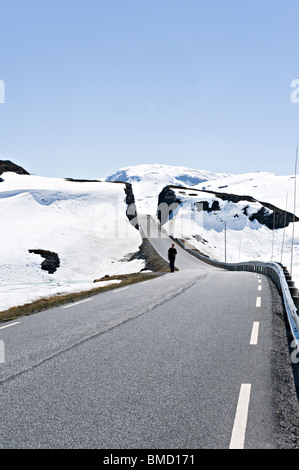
84	223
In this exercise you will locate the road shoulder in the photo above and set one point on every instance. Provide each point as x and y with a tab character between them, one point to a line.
285	378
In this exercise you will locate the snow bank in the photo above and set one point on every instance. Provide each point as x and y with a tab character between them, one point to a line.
85	223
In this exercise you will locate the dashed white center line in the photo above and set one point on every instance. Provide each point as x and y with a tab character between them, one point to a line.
11	324
254	333
258	301
240	423
259	280
77	303
259	288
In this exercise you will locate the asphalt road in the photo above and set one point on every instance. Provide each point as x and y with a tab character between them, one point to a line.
178	362
161	243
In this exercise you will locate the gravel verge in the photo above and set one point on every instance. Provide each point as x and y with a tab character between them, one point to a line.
285	374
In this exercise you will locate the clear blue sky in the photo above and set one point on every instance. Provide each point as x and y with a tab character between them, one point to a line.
95	85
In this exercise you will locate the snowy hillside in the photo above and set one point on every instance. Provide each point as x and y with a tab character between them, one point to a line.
149	180
239	221
263	186
84	223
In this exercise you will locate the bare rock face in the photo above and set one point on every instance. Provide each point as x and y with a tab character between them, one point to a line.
7	165
131	207
51	262
167	197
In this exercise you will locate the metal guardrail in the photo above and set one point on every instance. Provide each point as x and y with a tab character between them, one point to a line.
272	270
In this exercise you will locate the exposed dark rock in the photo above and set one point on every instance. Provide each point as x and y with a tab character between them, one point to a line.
245	209
130	201
205	206
51	262
82	180
7	165
131	209
265	218
167	203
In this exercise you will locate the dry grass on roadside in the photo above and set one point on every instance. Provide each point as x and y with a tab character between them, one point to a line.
55	301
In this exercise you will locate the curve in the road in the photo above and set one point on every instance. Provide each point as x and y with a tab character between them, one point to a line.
161	242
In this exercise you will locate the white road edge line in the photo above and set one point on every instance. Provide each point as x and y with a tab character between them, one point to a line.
76	303
254	333
258	301
240	423
119	290
7	326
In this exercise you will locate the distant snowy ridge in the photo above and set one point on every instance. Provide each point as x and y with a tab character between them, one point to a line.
148	180
172	174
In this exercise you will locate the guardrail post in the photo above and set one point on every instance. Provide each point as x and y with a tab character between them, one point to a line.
296	302
294	292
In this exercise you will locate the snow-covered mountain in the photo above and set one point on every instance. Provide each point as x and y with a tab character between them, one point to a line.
148	180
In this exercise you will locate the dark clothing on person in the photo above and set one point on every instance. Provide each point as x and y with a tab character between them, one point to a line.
172	252
171	256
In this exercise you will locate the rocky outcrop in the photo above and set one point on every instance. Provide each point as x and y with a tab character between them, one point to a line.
74	180
269	215
7	165
131	209
51	262
130	201
167	197
205	206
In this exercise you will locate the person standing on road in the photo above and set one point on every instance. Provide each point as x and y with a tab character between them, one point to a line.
171	257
